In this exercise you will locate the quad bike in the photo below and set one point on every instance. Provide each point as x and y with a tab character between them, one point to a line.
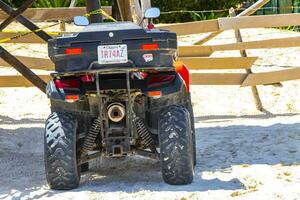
116	92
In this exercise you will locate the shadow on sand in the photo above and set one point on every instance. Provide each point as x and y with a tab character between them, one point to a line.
217	148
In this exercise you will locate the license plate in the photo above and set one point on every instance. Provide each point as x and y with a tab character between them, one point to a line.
112	54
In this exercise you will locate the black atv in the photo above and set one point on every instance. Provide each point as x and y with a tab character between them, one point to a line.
117	91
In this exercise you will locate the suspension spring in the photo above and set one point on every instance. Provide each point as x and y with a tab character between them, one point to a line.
144	133
92	135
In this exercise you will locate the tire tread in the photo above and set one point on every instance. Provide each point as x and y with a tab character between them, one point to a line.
60	152
176	146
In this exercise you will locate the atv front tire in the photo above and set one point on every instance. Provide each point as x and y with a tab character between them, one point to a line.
61	167
176	146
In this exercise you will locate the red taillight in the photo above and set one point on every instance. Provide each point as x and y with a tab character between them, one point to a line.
159	80
149	47
68	83
144	75
73	51
87	78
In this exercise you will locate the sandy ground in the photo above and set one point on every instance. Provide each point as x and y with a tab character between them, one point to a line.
242	153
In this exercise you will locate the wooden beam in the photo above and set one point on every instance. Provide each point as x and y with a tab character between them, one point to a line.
32	63
130	10
199	63
19	81
208	37
223	24
263	21
194	51
192	27
73	3
199	51
125	10
217	78
262	44
266	78
45	14
249	11
244	54
145	4
136	11
252	9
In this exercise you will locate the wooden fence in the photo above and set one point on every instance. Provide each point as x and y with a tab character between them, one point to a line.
197	57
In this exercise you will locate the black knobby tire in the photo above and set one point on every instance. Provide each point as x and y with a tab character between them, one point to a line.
61	167
176	146
190	109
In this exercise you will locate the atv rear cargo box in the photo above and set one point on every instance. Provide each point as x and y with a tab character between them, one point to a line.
144	48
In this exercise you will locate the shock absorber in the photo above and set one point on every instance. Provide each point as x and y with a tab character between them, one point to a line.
92	135
144	133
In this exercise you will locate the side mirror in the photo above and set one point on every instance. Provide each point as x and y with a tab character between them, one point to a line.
152	13
81	21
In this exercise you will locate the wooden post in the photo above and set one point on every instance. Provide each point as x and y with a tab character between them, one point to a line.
116	12
62	23
243	53
136	11
92	5
122	9
73	3
145	4
249	11
131	10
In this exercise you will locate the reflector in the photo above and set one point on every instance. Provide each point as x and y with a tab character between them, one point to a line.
154	94
72	98
148	47
73	51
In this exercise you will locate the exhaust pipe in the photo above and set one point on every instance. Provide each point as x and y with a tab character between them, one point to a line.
116	112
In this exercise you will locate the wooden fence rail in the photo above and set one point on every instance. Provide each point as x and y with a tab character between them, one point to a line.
224	24
242	79
196	79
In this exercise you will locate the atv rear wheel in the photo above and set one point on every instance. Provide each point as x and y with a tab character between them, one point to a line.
191	112
176	146
61	167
